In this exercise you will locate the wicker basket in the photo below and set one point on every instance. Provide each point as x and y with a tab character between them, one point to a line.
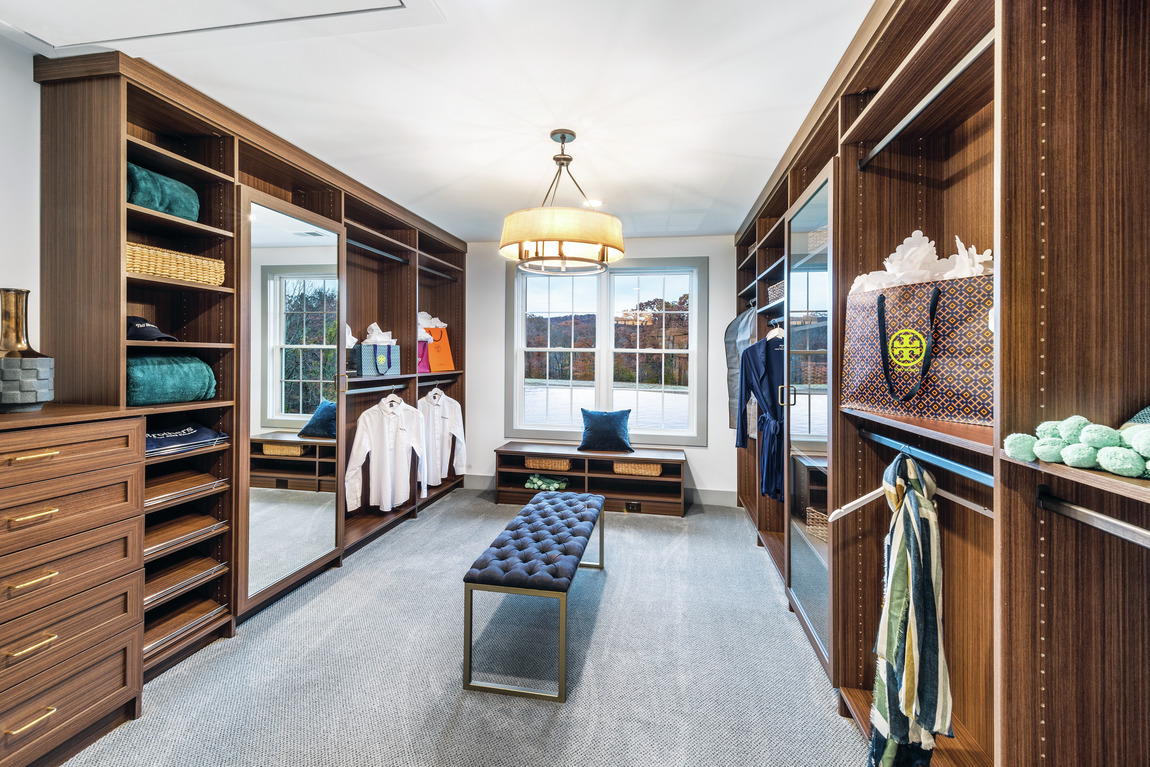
548	464
816	523
776	291
639	469
161	262
280	448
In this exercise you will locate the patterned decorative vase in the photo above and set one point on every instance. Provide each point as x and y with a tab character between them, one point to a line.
26	375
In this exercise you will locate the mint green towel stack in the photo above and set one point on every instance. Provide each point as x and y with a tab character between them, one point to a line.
1077	442
538	482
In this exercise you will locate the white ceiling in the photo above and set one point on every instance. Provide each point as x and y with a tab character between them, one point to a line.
682	109
272	229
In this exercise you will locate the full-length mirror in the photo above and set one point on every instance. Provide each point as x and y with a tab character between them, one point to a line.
295	352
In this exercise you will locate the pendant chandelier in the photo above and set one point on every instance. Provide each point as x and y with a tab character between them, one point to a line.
557	240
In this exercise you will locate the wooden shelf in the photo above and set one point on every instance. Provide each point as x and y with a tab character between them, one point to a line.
175	628
632	495
977	439
176	345
774	234
378	240
302	458
748	262
381	379
180	532
435	493
775	545
439	261
179	578
287	474
440	373
631	477
516	470
151	281
954	34
749	289
146	220
180	487
161	160
776	304
1136	489
361	525
178	407
149	461
777	266
960	751
292	438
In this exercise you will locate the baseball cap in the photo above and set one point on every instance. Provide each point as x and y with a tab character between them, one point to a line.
139	329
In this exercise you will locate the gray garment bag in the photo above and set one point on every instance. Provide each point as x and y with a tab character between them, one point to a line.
739	335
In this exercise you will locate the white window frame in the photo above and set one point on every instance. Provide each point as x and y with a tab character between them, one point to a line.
695	435
272	278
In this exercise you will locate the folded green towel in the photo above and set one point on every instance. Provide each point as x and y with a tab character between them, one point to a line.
158	379
149	189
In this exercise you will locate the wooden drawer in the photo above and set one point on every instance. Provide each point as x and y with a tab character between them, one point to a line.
55	633
56	451
46	511
49	708
39	576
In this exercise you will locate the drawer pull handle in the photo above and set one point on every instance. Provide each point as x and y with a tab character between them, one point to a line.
51	710
30	517
41	579
46	640
35	457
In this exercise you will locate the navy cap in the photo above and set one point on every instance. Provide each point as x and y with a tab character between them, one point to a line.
139	329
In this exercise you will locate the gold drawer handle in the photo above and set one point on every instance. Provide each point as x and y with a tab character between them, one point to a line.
41	579
46	640
51	710
35	457
30	517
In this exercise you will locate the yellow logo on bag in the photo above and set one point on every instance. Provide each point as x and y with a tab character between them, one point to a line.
907	348
381	361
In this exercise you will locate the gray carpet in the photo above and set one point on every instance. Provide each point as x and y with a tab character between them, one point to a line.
287	529
681	653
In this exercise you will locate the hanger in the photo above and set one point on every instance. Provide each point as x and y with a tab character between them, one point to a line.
392	402
775	333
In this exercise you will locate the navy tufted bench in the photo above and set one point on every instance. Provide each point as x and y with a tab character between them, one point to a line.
537	554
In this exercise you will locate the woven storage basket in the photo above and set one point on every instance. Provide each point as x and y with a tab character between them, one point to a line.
775	291
639	469
548	464
816	523
161	262
276	448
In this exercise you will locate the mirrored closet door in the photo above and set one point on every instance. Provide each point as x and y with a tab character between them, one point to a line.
292	455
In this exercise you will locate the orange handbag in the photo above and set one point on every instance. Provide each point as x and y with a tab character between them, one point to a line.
439	351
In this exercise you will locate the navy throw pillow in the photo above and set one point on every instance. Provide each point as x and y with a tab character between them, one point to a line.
606	431
322	423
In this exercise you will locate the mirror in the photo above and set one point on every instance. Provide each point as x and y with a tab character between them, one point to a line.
295	346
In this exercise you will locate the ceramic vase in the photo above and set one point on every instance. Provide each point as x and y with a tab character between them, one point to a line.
26	375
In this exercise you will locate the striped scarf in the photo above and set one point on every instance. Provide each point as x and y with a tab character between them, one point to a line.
912	699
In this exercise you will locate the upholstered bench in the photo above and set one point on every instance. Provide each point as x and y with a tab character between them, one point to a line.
537	555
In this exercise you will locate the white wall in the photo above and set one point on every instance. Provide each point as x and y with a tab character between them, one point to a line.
711	468
20	178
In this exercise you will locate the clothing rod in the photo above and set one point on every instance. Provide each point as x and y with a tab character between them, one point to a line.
435	383
963	502
376	251
878	493
1139	536
980	48
980	477
374	389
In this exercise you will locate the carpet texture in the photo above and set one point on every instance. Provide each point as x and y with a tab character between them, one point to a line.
681	653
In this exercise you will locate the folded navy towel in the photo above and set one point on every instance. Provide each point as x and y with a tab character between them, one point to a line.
189	436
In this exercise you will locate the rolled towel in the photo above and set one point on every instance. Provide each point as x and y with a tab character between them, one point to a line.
1099	436
1121	461
1020	446
1050	449
1072	427
1080	456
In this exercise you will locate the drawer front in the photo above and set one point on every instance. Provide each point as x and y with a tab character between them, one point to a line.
56	451
40	714
41	512
42	575
55	633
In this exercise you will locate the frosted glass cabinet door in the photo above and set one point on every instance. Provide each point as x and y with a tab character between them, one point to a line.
807	316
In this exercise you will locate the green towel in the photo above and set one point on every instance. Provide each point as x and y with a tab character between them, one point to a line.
158	379
151	190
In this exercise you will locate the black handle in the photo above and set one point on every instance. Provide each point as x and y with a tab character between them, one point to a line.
928	349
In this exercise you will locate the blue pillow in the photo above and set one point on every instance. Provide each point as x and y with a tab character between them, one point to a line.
606	431
322	423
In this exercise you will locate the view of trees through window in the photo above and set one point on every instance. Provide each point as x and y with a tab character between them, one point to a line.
647	349
309	321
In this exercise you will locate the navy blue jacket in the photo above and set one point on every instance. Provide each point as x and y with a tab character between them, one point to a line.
761	374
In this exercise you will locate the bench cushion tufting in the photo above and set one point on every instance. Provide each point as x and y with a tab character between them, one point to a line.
542	546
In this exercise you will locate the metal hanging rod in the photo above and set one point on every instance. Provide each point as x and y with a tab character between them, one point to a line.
979	48
437	382
375	389
980	477
376	251
1139	536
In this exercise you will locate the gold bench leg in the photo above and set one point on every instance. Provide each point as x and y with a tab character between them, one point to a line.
602	558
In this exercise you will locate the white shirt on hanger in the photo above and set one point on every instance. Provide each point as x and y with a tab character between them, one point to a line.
386	434
443	419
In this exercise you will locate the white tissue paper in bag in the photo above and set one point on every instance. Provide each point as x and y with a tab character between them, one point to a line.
916	260
378	337
349	340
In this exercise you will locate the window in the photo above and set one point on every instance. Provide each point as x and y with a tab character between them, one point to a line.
302	316
632	338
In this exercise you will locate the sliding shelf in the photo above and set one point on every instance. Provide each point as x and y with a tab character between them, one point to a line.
180	532
152	460
148	220
977	439
179	578
180	487
151	281
1127	487
168	630
161	160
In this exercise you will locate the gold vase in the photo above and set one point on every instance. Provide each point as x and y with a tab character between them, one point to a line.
14	324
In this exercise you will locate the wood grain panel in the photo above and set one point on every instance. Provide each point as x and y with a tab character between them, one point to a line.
61	450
